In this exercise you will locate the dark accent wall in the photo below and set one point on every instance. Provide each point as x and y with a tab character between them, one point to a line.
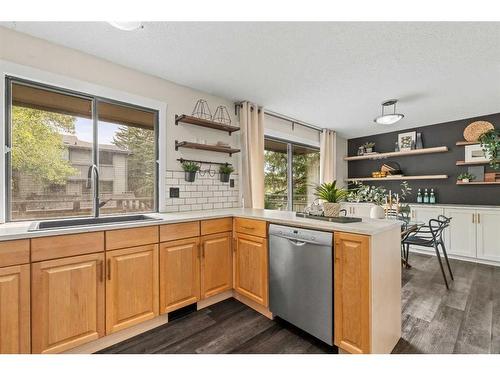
444	134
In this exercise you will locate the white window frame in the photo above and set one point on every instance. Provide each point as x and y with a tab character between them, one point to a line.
8	68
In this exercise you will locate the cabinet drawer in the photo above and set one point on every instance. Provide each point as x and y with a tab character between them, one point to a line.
177	231
249	226
216	226
14	252
53	247
120	238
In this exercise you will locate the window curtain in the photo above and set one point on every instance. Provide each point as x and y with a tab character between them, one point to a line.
252	154
327	156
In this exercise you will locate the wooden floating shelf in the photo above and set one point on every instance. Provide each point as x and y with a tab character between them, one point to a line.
400	178
462	162
384	155
478	183
205	123
466	143
201	146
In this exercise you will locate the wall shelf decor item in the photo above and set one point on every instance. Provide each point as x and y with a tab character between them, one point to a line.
202	110
475	153
474	130
383	155
400	178
221	115
205	123
407	141
200	146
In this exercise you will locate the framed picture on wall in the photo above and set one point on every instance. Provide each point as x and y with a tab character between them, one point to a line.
407	140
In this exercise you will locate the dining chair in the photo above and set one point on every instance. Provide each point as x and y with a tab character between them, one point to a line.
431	235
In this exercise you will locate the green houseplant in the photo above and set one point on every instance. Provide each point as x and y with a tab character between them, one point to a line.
465	177
225	171
190	168
331	195
490	143
368	146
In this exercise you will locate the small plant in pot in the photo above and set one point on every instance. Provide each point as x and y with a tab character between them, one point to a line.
331	195
369	147
225	171
490	143
465	177
190	168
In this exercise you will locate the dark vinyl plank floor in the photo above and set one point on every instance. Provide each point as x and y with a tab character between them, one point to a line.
464	319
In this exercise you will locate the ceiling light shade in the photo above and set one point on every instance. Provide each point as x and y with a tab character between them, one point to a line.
127	25
391	118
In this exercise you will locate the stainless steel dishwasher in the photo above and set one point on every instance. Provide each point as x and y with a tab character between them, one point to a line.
301	279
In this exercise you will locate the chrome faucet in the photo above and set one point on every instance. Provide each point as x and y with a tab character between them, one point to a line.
94	172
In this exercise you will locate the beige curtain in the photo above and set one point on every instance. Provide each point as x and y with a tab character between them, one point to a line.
327	156
252	155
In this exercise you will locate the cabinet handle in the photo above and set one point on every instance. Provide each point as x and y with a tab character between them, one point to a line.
109	269
203	250
101	271
199	250
249	228
478	218
473	218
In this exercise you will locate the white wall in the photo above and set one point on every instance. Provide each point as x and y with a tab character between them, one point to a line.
340	163
32	52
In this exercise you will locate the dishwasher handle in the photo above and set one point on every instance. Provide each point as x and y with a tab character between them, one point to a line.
297	242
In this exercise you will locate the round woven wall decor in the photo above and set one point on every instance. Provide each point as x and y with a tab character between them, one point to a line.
474	130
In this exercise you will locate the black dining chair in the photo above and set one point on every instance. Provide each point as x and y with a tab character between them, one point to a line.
431	236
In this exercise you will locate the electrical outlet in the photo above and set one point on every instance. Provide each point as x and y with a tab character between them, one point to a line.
174	192
231	182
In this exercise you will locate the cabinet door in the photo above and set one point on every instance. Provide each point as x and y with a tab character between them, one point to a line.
15	310
67	302
251	268
216	264
352	292
488	235
460	236
424	214
131	286
179	274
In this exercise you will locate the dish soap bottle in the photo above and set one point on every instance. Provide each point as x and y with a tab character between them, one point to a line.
419	196
432	198
426	196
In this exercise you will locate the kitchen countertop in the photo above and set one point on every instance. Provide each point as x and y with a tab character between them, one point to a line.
444	205
19	230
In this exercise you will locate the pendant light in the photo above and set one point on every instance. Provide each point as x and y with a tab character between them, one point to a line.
391	118
127	25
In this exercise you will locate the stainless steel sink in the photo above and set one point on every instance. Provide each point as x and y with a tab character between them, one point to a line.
91	221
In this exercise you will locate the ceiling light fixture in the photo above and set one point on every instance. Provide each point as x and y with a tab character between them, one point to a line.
391	118
127	26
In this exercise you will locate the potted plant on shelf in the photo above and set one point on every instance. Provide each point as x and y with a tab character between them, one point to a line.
490	143
331	195
369	147
465	177
190	168
225	171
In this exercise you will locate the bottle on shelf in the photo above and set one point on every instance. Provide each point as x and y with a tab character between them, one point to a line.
419	196
432	197
426	196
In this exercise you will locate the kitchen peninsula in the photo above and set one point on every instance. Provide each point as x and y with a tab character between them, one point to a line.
82	279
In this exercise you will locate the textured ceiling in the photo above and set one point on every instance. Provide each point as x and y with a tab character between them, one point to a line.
333	75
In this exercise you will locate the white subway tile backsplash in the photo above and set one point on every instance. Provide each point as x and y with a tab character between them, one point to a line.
205	193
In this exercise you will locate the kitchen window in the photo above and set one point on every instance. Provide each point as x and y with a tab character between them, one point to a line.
291	171
54	136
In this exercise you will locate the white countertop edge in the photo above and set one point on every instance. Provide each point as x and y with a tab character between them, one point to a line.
19	230
441	205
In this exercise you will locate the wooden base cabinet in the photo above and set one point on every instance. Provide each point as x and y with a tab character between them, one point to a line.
352	293
15	310
179	274
67	302
251	277
216	264
131	286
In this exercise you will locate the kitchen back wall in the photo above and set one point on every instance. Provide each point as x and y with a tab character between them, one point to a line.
443	134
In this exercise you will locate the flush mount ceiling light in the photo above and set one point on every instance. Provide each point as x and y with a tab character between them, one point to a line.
127	25
389	119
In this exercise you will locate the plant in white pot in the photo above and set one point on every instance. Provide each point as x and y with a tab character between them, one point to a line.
331	196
